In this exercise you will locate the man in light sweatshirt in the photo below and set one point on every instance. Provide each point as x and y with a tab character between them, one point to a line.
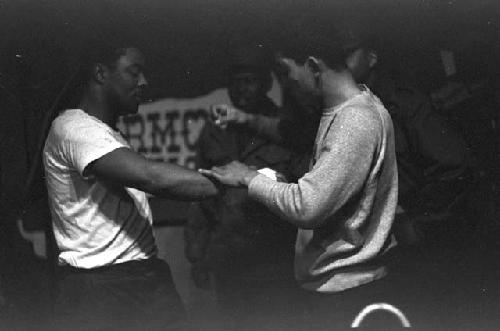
344	206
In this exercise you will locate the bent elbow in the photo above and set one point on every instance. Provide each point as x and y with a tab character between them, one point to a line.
309	219
302	212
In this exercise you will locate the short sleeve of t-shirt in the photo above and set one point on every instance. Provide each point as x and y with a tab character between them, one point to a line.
88	141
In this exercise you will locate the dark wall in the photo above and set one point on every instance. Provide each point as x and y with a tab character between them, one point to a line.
187	42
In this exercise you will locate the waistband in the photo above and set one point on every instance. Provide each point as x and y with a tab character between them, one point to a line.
124	266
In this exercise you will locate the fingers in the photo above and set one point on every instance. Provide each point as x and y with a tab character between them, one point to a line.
224	169
219	170
216	173
219	175
233	163
219	110
219	115
209	173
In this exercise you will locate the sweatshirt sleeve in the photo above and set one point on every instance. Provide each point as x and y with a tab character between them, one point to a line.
343	164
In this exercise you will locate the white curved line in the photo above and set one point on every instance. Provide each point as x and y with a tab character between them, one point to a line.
380	306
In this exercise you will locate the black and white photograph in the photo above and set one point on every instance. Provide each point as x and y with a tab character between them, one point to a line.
249	165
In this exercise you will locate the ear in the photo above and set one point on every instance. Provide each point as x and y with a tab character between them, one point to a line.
316	66
99	73
372	59
312	64
319	64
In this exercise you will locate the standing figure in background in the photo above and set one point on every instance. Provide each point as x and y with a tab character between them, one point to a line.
435	168
110	277
247	249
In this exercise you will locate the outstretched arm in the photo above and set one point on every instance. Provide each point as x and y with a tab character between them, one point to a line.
339	174
127	168
266	126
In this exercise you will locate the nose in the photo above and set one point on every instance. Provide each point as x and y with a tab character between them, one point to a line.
142	81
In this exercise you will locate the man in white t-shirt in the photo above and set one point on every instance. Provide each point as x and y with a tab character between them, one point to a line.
110	276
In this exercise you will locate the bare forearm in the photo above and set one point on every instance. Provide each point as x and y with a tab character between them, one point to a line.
176	182
125	167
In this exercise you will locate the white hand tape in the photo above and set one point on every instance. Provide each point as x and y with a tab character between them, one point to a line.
270	173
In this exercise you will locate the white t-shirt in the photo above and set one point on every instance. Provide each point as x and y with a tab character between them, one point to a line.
95	223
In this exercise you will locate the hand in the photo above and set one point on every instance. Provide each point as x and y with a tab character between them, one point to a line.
235	174
224	115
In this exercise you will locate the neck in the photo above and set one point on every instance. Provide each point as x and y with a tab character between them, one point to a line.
371	80
338	87
95	105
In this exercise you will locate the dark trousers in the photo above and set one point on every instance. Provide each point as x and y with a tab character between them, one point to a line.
136	295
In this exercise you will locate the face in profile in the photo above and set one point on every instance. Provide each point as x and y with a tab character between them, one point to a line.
300	83
126	82
246	89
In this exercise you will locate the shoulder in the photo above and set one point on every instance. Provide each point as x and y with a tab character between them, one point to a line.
74	126
364	119
75	122
354	124
361	112
67	121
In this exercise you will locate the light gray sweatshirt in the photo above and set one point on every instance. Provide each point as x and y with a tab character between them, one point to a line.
345	205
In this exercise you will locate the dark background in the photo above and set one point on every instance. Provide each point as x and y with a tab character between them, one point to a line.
187	44
187	41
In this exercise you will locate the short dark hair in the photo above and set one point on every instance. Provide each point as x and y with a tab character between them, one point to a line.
352	36
318	39
106	49
93	51
106	56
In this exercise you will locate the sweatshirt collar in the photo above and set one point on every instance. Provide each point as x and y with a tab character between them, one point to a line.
364	91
